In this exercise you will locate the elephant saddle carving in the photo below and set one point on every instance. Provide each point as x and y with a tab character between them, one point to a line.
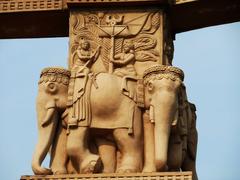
94	108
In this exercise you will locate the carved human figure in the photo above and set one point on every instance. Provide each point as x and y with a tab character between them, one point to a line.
124	61
79	110
78	89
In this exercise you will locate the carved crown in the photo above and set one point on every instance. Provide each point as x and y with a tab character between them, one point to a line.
163	71
55	74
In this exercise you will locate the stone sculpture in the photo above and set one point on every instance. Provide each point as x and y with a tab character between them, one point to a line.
51	103
165	81
121	107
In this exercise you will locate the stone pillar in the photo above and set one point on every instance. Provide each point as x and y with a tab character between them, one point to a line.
120	61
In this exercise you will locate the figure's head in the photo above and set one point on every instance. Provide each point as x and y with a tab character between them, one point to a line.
128	46
85	45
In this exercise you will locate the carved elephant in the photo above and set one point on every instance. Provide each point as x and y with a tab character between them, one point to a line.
114	107
116	123
170	136
51	103
161	100
114	114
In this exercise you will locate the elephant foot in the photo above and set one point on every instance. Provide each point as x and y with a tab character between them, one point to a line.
163	169
42	171
120	171
149	169
62	171
91	164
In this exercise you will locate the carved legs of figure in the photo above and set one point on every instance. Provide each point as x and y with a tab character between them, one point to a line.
78	150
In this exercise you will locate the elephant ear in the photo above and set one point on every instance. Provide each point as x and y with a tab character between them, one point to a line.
187	122
192	132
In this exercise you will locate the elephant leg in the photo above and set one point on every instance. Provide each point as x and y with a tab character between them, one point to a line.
149	153
78	151
190	165
130	149
175	153
107	152
59	152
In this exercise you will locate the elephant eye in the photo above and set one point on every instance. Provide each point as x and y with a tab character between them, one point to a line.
150	86
51	88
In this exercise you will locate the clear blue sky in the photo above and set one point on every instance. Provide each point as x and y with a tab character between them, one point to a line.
210	58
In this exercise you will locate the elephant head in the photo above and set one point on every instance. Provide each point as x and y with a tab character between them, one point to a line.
162	84
51	103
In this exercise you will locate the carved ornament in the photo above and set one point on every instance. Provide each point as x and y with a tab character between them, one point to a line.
161	71
59	75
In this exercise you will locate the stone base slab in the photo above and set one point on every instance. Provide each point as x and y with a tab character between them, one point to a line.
130	176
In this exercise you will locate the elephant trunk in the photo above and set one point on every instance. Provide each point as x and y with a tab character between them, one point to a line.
47	123
164	110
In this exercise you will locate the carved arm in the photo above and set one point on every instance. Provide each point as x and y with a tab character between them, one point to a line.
123	61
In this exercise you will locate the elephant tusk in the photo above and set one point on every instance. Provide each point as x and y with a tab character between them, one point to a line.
151	114
48	117
50	106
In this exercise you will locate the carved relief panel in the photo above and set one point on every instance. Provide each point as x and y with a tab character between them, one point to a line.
117	37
